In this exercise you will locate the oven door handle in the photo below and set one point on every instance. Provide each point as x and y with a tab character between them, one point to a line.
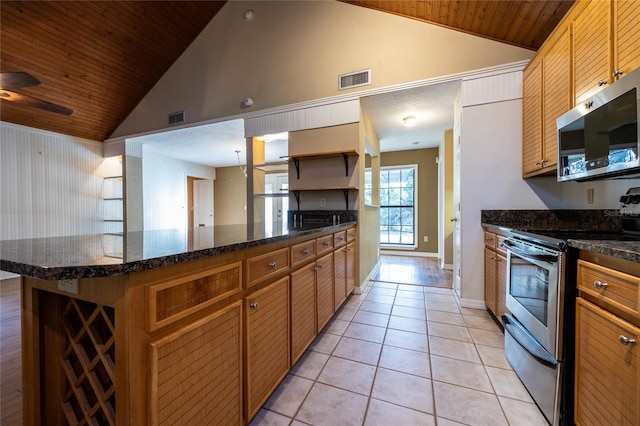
527	341
532	257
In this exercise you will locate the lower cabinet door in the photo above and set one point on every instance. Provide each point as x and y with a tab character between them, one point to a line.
195	372
267	343
350	270
324	290
607	368
490	298
339	277
303	309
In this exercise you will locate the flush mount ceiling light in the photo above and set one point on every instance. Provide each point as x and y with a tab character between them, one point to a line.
409	121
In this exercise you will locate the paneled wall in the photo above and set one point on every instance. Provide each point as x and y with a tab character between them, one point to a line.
50	184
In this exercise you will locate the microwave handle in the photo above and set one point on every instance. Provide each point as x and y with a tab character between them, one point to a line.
527	341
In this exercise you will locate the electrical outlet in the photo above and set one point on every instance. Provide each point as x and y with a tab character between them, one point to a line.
590	196
323	202
68	285
426	238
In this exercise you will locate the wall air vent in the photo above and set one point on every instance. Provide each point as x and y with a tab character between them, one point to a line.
354	79
176	117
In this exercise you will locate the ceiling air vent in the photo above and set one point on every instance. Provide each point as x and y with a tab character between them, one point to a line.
354	79
176	117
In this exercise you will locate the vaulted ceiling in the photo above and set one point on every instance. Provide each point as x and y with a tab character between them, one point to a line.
100	58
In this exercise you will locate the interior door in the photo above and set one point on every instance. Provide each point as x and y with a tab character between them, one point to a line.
457	258
202	202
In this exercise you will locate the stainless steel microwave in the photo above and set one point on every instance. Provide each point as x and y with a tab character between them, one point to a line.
599	138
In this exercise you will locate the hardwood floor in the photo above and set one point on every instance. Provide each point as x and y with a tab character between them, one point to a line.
414	270
10	353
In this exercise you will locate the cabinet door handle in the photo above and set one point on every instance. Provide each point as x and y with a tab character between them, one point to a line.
544	161
537	163
272	265
318	265
617	73
600	284
347	250
626	341
305	251
602	83
253	305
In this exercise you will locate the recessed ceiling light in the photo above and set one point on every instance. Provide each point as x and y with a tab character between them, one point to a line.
409	121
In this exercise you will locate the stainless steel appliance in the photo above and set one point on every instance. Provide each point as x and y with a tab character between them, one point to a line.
534	329
600	137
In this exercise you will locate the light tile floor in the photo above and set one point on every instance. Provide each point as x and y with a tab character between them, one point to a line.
402	354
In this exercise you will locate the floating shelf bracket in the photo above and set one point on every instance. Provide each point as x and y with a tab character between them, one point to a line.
297	195
346	164
296	163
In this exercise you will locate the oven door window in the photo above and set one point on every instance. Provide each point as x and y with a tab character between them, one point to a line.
530	287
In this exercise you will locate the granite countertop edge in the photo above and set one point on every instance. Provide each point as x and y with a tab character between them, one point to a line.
108	270
626	250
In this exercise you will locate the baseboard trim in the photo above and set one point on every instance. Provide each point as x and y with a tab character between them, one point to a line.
367	280
472	303
447	266
408	253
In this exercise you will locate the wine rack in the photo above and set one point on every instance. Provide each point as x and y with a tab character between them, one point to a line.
88	363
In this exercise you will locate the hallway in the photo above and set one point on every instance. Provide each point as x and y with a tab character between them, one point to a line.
404	354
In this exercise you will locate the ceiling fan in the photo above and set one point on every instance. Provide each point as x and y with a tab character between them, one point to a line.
16	80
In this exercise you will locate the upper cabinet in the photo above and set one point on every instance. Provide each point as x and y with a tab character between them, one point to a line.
595	44
546	95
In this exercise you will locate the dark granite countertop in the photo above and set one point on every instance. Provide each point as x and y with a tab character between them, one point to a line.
603	221
105	255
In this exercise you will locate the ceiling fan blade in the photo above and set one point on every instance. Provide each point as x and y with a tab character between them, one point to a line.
8	95
16	80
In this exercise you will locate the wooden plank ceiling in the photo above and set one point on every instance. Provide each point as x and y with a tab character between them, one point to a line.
100	58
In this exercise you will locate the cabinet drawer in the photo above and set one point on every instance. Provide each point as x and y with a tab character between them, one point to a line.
351	234
615	288
174	299
303	252
267	265
339	238
324	244
490	240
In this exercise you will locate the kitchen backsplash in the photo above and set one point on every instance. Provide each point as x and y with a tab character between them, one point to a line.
565	220
314	218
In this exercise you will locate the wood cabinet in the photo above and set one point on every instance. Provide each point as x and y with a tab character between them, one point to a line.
607	350
595	44
350	267
495	274
196	372
324	290
607	368
266	344
303	309
606	45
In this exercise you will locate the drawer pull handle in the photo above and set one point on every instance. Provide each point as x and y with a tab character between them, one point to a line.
254	305
626	341
347	250
272	265
305	251
326	244
600	284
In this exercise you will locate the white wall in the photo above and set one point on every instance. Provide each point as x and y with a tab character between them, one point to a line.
491	175
292	52
50	184
165	190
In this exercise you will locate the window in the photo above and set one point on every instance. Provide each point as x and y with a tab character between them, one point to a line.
398	205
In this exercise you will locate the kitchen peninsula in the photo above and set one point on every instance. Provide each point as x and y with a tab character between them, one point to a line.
158	326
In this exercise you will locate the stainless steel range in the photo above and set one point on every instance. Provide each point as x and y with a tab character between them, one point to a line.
541	291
